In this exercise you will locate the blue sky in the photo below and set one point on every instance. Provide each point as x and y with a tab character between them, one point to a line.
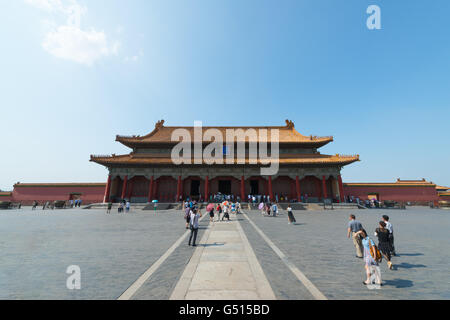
68	89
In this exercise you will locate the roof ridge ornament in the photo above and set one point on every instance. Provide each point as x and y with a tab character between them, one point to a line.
159	124
290	124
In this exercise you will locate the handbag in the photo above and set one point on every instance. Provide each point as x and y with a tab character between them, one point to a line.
375	251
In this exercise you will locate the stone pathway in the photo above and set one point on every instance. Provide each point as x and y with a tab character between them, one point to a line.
144	255
223	267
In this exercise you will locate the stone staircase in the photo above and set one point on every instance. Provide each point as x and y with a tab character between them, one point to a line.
344	206
295	206
135	206
314	206
159	206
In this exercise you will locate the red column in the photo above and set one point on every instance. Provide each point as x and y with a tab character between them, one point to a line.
270	189
242	189
341	189
297	188
150	190
130	189
124	187
324	187
206	188
155	189
178	189
107	190
182	190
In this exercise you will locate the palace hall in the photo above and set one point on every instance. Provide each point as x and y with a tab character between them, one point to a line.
148	172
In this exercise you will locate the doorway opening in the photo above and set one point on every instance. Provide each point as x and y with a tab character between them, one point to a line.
225	186
254	187
195	187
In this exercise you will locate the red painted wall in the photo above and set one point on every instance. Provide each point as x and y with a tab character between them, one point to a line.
5	196
442	197
42	193
418	194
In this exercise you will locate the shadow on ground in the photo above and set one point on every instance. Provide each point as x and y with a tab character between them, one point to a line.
398	283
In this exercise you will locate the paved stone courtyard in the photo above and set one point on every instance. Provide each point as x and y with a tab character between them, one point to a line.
114	250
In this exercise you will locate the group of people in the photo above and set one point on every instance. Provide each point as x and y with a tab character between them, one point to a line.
366	248
226	208
192	215
220	197
368	203
268	208
271	209
124	204
51	204
46	205
255	199
75	203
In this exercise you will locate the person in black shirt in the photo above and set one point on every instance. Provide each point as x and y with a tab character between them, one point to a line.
383	242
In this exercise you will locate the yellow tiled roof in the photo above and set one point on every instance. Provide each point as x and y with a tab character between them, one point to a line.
163	134
131	159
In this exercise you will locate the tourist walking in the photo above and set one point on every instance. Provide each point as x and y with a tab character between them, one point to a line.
127	206
219	211
109	207
195	215
383	242
225	213
187	216
275	209
268	208
354	227
291	217
211	214
35	204
391	234
369	253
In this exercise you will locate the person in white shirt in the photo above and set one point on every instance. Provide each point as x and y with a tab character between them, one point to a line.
275	209
225	213
291	217
193	223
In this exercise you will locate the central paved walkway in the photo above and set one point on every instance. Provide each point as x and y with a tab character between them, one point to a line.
223	267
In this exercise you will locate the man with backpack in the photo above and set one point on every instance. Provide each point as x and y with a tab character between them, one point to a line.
193	223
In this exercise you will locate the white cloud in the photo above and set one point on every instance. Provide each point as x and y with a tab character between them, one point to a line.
85	47
69	41
49	5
